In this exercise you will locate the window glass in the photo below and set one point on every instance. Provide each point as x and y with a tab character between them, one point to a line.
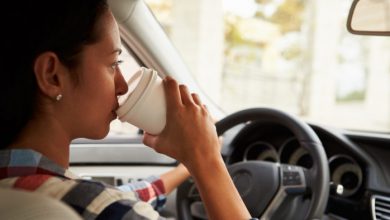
128	68
294	55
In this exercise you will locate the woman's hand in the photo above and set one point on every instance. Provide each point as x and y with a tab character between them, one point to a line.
189	135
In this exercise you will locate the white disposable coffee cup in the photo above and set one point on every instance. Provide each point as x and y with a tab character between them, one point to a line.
144	104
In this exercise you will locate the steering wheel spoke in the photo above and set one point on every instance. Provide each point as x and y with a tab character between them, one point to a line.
198	210
193	194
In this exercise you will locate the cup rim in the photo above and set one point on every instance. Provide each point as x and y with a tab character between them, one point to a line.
144	95
139	91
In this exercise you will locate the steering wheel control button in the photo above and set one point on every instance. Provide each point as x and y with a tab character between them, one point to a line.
295	190
291	175
291	178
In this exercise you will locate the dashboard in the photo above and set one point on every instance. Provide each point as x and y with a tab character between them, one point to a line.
359	163
267	141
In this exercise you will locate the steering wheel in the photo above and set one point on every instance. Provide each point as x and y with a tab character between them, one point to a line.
269	188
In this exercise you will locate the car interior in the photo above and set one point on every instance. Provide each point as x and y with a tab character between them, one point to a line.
284	166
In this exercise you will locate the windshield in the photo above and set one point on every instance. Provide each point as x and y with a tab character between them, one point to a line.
293	55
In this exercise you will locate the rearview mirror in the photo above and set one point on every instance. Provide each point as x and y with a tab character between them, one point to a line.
369	17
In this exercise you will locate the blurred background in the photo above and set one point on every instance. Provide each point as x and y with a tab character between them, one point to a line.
295	55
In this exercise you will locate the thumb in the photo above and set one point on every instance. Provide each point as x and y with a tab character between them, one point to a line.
150	140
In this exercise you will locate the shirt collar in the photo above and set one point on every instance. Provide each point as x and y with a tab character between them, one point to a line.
24	162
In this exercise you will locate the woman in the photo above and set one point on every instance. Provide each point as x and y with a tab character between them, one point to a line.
60	81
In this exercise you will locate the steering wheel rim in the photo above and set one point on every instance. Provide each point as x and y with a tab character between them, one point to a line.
318	174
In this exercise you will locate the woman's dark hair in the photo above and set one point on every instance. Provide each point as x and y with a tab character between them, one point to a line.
30	28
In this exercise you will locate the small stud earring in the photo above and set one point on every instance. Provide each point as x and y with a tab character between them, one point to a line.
59	97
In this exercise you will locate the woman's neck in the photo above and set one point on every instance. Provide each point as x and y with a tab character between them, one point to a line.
46	137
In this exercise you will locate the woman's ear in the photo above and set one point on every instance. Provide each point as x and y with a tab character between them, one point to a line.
47	69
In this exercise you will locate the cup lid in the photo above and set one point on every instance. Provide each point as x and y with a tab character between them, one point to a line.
137	84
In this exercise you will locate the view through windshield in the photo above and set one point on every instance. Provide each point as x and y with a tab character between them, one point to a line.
293	55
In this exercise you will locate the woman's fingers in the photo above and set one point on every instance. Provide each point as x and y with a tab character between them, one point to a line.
188	126
186	97
196	99
178	95
172	93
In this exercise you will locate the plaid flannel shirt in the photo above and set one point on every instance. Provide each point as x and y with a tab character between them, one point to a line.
30	170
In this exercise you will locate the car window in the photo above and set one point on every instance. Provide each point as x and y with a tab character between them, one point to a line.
128	68
294	55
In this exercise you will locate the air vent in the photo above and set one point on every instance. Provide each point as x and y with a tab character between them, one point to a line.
380	207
